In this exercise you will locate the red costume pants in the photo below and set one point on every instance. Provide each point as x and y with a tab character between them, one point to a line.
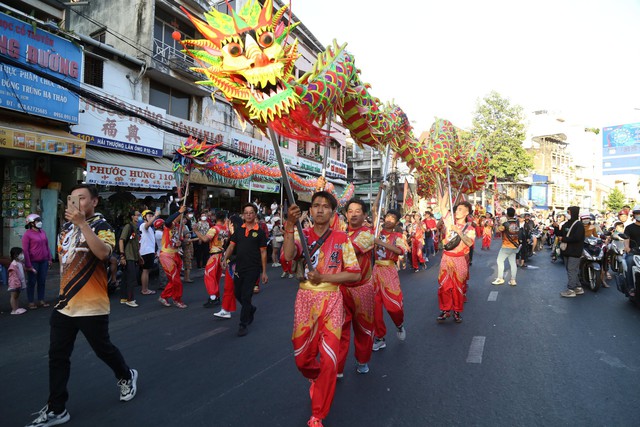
172	265
229	296
486	241
454	272
386	285
358	309
416	253
317	324
212	274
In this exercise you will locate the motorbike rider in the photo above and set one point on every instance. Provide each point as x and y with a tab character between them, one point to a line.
632	244
572	233
590	227
526	227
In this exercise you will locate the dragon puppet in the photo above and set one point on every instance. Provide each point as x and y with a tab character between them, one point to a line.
246	57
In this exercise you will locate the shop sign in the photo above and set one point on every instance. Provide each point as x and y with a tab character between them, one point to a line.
262	150
289	159
122	176
265	187
27	139
309	165
201	132
101	127
336	169
24	91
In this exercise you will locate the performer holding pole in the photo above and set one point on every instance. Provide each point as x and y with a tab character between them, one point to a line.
454	269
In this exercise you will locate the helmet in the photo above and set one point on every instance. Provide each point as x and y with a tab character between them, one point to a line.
587	217
158	223
31	218
636	210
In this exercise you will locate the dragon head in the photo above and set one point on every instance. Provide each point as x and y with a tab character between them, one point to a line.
244	55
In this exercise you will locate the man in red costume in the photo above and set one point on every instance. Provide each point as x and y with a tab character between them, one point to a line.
358	298
216	237
454	268
386	282
228	296
487	231
417	242
319	312
171	260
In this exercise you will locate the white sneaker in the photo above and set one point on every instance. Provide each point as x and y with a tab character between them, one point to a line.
48	418
131	303
402	333
223	314
128	387
379	343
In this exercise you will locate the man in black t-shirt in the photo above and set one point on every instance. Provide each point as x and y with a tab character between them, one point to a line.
250	242
632	244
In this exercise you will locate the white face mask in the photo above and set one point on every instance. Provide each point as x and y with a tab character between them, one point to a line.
203	218
38	224
189	215
21	257
637	217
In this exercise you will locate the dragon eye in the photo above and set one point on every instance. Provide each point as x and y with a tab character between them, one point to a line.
266	39
234	49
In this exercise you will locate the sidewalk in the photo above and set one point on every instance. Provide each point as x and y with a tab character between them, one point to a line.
52	288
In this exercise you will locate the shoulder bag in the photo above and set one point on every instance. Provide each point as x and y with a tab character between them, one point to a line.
563	245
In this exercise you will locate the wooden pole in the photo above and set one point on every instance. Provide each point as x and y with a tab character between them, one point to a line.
287	186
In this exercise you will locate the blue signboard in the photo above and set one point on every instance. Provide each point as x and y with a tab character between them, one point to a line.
621	149
24	91
538	191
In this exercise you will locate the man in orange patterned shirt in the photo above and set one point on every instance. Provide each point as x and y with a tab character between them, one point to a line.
319	312
358	298
84	245
386	282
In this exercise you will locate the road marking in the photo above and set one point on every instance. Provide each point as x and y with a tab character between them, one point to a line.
196	339
493	296
476	349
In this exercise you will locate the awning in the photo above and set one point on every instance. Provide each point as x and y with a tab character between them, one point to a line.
137	194
125	170
41	140
121	159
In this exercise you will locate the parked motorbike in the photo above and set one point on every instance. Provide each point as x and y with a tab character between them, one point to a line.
634	288
619	267
590	271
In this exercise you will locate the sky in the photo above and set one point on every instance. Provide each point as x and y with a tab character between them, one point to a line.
439	58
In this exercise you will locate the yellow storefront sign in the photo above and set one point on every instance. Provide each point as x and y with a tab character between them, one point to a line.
41	140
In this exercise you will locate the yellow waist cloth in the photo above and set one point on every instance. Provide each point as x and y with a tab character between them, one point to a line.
322	286
385	262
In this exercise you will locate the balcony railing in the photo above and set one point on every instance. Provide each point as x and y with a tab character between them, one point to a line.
174	58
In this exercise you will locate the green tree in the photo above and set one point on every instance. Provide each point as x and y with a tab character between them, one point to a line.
616	200
500	127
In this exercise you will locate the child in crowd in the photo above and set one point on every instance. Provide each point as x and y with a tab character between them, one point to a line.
17	280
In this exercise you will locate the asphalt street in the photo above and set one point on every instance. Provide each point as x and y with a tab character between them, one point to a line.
523	356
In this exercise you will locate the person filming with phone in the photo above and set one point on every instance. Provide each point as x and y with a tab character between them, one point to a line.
85	243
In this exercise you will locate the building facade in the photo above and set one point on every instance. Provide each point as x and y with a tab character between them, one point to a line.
132	101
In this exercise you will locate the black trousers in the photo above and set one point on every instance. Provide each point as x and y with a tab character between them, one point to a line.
130	280
243	284
62	339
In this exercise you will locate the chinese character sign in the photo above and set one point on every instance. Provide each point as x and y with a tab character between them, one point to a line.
107	129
